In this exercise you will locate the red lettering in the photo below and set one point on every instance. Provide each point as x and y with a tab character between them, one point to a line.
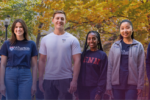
96	61
90	59
85	59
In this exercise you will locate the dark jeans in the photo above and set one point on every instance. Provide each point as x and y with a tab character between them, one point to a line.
57	89
3	98
87	92
18	82
128	94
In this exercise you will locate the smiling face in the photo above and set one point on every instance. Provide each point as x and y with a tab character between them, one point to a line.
18	30
92	41
59	21
126	30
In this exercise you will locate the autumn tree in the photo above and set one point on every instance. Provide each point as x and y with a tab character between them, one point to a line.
19	9
101	15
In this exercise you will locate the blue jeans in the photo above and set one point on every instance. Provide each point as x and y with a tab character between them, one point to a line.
128	94
18	82
3	98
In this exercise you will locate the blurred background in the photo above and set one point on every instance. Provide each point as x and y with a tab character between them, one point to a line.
82	16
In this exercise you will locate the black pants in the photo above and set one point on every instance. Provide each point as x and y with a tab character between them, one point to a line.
57	89
39	94
87	92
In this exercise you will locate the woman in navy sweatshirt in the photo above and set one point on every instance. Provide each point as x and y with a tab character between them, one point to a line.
92	77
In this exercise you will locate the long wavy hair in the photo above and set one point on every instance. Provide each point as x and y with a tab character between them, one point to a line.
13	36
99	46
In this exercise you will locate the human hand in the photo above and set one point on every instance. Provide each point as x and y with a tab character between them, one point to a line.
97	97
73	87
110	93
33	90
41	85
3	89
139	91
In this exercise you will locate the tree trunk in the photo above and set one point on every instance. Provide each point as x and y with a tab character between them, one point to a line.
148	27
38	37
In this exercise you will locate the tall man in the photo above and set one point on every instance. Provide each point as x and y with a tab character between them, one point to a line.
57	50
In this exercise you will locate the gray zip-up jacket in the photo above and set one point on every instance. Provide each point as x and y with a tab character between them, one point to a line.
135	65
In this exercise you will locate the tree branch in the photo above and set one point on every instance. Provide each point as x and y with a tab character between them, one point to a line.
1	34
42	35
68	28
142	1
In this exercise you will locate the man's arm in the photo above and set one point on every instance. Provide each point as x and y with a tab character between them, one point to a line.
76	69
41	68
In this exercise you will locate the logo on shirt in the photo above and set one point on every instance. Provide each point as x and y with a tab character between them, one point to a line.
11	48
136	46
63	40
123	52
92	60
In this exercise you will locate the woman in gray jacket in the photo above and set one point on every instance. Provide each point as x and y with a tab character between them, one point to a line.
125	74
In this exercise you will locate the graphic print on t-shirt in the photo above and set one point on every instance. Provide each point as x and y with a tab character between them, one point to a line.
63	40
18	48
20	53
124	52
92	60
125	48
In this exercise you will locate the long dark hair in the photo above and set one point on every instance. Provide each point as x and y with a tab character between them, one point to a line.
132	36
13	36
99	45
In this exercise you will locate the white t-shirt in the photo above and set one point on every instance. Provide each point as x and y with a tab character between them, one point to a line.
59	50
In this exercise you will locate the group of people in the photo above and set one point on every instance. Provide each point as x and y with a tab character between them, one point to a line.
121	74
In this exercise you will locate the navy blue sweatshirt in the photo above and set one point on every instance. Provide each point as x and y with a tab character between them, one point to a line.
93	70
148	62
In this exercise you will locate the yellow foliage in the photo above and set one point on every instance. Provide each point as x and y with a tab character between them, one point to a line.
93	13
